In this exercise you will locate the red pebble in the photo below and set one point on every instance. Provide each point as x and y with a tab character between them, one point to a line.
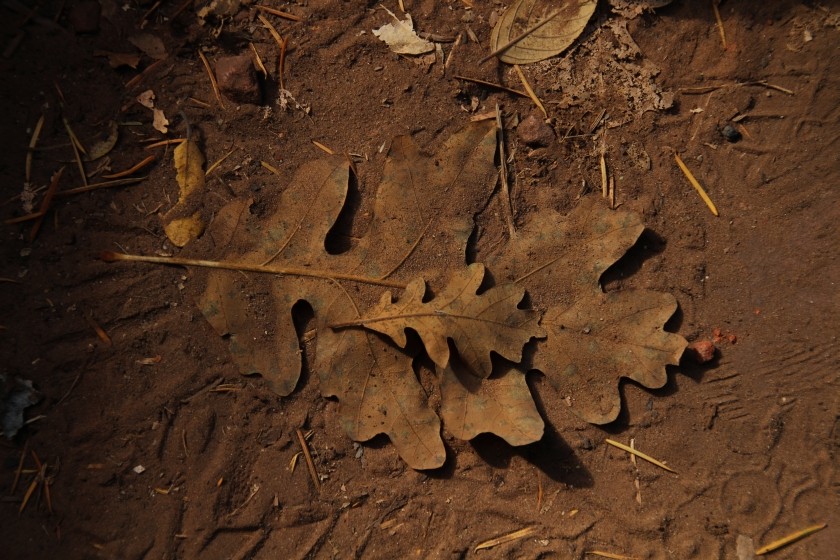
702	351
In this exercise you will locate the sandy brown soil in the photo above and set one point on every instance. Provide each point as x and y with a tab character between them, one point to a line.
754	435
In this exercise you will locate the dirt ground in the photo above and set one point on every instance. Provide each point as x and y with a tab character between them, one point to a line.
754	435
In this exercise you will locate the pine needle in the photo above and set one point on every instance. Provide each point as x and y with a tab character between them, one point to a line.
110	256
281	44
612	555
492	85
322	147
32	143
278	13
640	455
309	462
530	90
293	463
45	204
503	172
719	23
77	147
259	61
20	467
793	537
131	170
270	167
212	76
604	185
28	495
696	185
218	162
510	537
103	185
166	142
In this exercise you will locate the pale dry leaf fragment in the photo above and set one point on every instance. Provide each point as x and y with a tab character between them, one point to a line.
568	19
152	45
116	59
147	99
103	145
183	223
401	37
220	9
477	324
159	121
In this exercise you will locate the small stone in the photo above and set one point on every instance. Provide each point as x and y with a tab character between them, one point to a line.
84	16
238	79
702	351
730	133
139	469
534	132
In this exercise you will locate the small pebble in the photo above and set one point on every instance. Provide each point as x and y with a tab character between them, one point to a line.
702	351
534	132
730	133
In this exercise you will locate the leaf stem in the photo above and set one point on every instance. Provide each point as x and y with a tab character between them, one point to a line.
110	256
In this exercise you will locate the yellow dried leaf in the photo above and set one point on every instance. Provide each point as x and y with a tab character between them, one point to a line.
105	143
568	18
183	222
183	230
189	163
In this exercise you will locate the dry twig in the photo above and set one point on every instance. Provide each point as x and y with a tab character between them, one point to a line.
309	462
213	82
719	23
110	256
503	173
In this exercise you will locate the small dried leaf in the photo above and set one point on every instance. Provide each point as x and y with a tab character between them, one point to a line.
181	231
183	223
401	38
550	39
477	324
189	167
104	145
150	44
160	122
147	99
115	59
